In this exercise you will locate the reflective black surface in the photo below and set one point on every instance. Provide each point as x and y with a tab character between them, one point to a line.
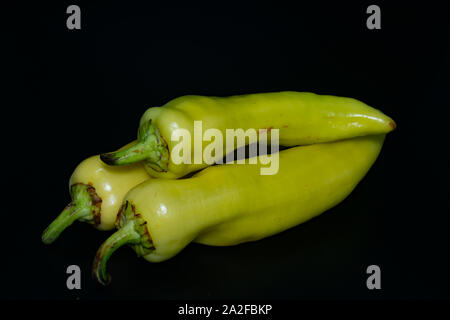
81	92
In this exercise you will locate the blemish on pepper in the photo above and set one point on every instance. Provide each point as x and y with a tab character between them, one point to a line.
97	202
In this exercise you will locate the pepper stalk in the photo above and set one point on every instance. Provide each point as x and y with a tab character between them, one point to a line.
85	206
132	230
149	148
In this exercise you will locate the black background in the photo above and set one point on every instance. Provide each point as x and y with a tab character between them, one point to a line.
74	93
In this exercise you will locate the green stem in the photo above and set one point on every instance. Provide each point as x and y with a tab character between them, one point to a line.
70	214
132	230
150	148
125	235
85	206
135	153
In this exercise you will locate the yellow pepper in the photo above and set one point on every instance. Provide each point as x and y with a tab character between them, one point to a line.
97	191
231	203
302	118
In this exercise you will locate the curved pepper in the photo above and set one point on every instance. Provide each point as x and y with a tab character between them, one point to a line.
97	191
231	203
302	118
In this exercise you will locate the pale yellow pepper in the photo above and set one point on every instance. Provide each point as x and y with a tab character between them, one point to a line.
302	118
97	191
232	203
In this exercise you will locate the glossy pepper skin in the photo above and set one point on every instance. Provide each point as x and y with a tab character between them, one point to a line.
229	204
97	191
302	118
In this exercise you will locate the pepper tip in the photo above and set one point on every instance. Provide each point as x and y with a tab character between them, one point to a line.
392	124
